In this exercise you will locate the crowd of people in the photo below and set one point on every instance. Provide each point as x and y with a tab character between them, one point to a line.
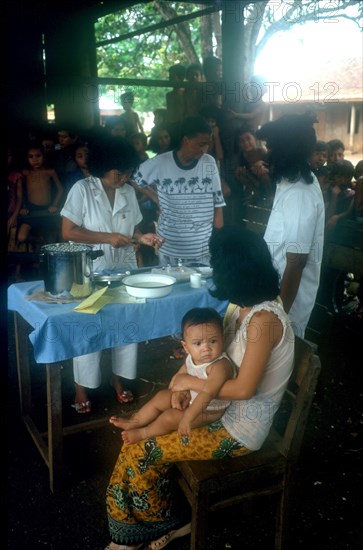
110	194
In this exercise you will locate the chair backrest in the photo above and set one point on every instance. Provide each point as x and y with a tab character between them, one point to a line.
298	399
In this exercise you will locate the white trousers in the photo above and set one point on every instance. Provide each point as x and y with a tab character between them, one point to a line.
86	368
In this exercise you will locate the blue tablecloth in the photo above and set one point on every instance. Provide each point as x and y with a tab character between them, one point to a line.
61	333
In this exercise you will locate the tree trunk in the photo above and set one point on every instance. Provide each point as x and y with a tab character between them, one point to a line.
182	30
206	33
217	29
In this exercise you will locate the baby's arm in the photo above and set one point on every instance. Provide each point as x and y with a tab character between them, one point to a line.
180	399
219	372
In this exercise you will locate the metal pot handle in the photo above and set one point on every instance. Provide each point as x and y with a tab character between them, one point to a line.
93	254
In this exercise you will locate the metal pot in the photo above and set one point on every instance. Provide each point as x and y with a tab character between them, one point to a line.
67	267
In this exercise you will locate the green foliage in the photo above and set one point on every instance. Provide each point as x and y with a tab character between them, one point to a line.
148	55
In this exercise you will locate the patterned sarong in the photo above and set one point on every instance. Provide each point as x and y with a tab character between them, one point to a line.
140	498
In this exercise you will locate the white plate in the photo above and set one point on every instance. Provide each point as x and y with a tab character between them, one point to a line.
149	285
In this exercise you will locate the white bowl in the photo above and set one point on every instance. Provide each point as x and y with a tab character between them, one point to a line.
149	285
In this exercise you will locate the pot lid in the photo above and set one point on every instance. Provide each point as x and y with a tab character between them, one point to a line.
66	247
109	277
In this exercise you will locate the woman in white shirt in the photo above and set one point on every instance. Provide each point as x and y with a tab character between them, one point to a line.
295	230
102	210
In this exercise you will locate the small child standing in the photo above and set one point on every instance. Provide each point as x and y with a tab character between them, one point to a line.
202	333
39	183
130	118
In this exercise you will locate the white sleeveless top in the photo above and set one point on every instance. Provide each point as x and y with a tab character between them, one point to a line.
200	371
249	421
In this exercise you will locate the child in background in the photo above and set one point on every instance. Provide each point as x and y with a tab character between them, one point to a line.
115	126
64	162
342	194
159	116
335	152
160	140
202	333
130	117
319	157
80	154
39	186
175	99
193	96
139	141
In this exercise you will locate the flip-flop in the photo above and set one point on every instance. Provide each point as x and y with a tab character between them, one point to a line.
114	546
168	537
125	397
82	407
179	353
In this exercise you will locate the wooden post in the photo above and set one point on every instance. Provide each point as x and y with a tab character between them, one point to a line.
232	52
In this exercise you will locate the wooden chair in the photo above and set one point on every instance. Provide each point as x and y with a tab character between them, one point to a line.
212	485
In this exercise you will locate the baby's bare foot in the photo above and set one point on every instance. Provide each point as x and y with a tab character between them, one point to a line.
121	422
133	436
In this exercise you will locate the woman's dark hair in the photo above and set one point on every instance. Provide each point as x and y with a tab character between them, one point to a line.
194	125
112	153
243	272
291	141
201	316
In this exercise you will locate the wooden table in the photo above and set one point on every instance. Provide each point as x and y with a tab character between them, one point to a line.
54	331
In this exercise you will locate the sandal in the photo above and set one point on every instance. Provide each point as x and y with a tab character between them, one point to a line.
114	546
82	407
165	539
125	397
179	353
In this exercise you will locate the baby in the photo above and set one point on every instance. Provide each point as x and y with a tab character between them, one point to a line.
202	333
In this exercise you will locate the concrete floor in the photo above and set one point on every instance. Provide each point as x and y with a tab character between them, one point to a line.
326	510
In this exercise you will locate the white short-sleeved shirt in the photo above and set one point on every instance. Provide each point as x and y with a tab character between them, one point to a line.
296	225
187	198
87	205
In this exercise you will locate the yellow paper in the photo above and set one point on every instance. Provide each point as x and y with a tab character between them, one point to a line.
94	308
94	303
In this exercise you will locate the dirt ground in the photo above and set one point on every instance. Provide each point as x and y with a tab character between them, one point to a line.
326	512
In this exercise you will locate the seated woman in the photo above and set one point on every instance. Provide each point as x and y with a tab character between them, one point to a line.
140	502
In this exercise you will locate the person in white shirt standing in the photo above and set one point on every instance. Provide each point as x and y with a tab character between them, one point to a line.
295	230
